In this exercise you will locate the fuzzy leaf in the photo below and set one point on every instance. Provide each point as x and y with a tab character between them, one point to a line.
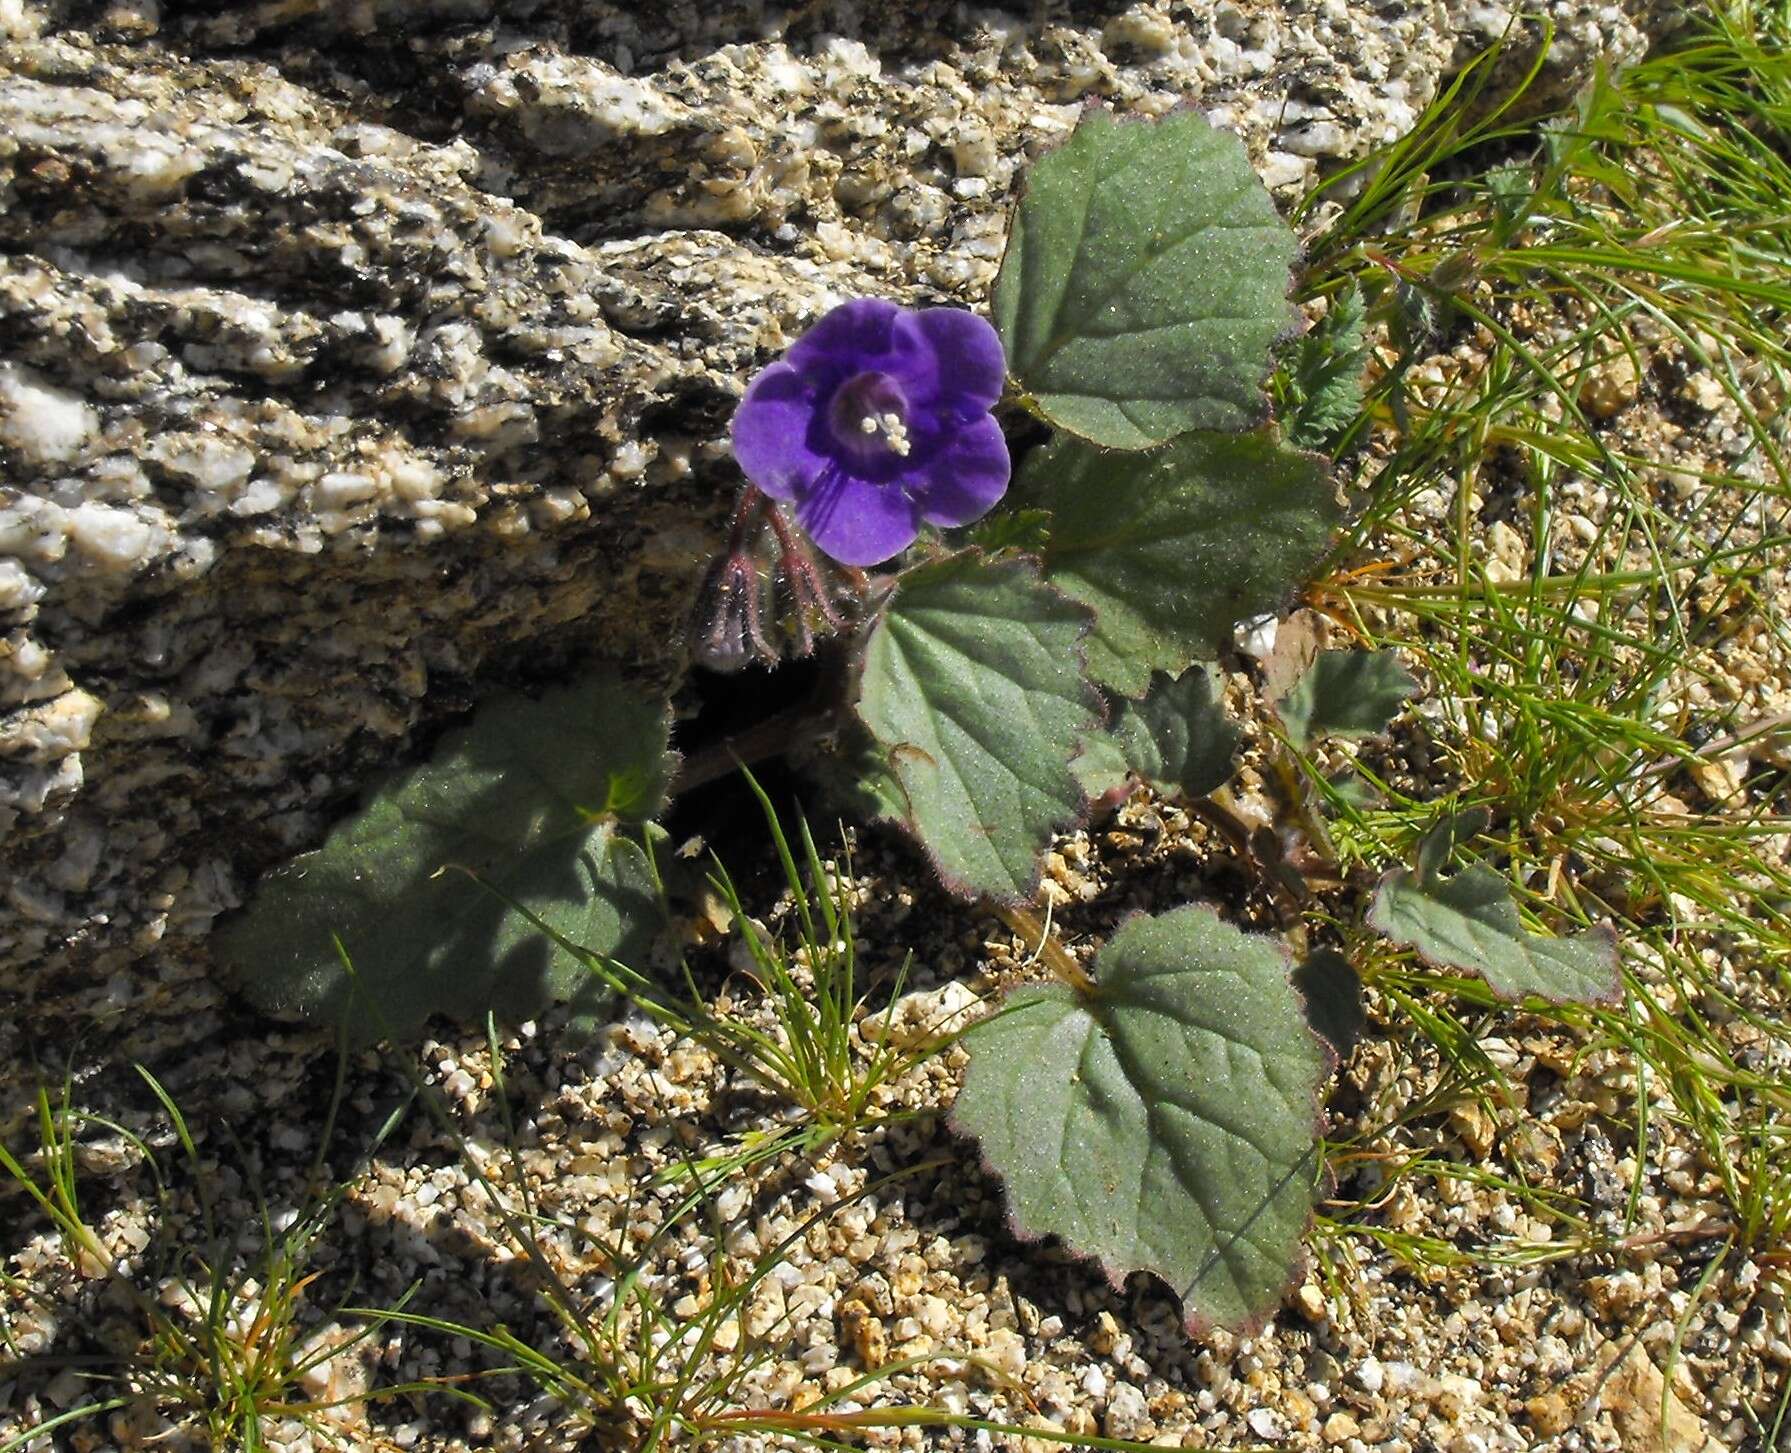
1174	547
1353	788
1437	848
858	778
1178	739
1468	922
1333	994
1011	530
1101	767
1145	282
1345	694
1324	382
1166	1123
972	685
529	797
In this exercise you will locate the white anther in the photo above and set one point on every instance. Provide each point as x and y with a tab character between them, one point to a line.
897	433
891	427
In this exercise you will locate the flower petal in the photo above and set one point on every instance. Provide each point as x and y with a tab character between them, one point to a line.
968	366
771	432
858	522
965	476
851	338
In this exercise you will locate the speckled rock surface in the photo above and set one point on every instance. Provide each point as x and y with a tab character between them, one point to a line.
356	356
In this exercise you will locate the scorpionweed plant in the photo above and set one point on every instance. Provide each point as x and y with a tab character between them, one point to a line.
1010	635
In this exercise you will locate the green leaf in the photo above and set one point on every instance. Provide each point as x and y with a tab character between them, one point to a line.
1333	995
1345	694
1468	922
1437	848
1415	318
1101	766
1353	789
1145	282
1324	382
1166	1123
1178	739
529	797
858	778
1175	547
1011	530
1512	190
972	685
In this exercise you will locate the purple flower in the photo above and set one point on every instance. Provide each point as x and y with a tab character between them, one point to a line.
876	420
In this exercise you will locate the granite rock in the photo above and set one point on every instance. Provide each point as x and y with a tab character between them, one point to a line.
356	357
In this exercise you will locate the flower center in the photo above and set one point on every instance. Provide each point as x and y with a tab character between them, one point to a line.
869	417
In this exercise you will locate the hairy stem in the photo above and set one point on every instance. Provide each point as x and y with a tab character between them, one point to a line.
1057	958
772	737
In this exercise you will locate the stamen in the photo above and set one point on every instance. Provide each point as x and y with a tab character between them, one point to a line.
869	418
896	432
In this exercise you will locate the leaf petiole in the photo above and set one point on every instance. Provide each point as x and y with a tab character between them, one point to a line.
1047	945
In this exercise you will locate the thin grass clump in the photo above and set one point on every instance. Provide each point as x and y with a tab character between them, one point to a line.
1590	577
196	1345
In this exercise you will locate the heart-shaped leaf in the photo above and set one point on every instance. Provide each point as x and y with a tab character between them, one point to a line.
1167	1121
1345	694
1178	739
1174	547
972	685
1468	922
1145	282
529	797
